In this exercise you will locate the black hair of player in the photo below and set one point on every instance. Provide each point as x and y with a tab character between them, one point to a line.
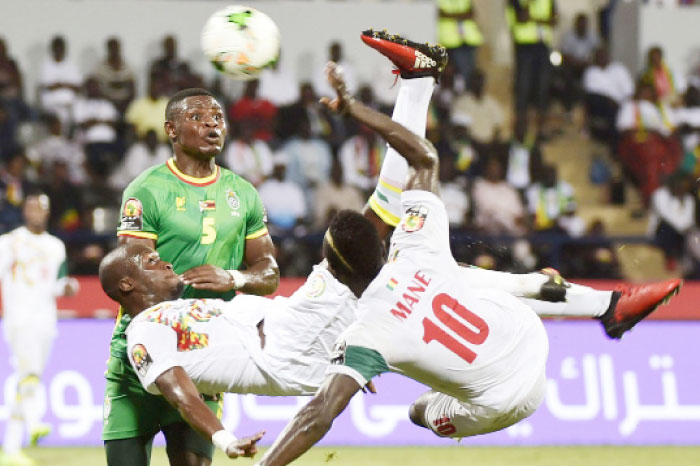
182	95
357	240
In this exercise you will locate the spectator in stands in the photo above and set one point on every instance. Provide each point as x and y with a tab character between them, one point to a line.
55	147
577	48
335	53
279	85
307	106
332	196
59	81
669	86
11	85
116	78
498	208
486	113
13	186
523	159
66	197
168	68
552	205
361	157
532	23
606	85
141	155
248	157
648	148
672	217
594	258
148	113
459	33
453	193
8	133
282	198
95	119
259	113
687	120
309	159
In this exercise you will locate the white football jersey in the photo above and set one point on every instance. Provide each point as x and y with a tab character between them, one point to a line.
417	318
218	344
30	266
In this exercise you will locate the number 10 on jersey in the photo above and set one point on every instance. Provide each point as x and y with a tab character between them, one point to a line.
434	332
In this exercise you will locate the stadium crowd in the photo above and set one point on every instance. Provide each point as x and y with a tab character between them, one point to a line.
89	134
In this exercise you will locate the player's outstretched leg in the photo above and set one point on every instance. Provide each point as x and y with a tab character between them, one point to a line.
419	66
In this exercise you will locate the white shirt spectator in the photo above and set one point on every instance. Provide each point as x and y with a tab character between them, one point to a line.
284	202
613	81
487	116
361	163
309	161
60	100
137	159
497	207
333	197
454	196
58	148
580	48
253	161
86	109
679	213
518	171
279	86
642	114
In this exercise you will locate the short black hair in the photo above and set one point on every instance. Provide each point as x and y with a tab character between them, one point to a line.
180	96
357	240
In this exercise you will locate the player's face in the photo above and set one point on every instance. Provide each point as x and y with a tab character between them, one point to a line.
159	277
200	127
36	212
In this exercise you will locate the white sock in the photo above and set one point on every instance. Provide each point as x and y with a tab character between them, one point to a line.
14	431
581	301
410	110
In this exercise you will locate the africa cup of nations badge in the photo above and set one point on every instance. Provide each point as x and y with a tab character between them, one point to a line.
415	219
142	360
132	215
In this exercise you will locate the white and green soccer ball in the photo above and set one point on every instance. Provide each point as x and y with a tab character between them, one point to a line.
240	41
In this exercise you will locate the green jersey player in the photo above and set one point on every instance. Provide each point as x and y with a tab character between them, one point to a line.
206	221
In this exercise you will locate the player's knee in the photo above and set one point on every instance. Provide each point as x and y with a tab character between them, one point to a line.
416	413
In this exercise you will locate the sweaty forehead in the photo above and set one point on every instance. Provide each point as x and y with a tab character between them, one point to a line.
200	102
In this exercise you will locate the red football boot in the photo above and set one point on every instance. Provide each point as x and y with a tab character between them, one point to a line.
413	60
632	303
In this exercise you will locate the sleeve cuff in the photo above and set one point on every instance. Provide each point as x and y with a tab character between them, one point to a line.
257	234
349	371
137	234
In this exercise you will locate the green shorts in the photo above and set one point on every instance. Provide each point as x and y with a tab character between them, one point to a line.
130	411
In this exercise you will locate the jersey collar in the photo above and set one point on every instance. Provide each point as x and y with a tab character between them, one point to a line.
194	181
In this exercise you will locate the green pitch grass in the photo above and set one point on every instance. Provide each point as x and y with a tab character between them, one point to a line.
421	456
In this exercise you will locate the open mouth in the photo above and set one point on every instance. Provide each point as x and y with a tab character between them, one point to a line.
213	137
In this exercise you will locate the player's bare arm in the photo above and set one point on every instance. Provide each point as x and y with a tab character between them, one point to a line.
313	421
179	390
260	278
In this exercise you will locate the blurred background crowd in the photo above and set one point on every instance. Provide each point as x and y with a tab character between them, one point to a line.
556	165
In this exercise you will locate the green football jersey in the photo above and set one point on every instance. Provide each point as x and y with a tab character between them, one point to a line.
194	221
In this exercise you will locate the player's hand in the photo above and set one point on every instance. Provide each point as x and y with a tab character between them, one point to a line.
71	287
335	79
210	278
245	447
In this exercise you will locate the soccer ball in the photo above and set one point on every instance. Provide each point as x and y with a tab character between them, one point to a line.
240	41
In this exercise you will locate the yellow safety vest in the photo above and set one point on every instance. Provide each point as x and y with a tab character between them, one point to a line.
531	32
453	33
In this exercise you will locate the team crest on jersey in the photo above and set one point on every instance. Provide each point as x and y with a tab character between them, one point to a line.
132	215
142	360
415	219
232	199
317	286
338	354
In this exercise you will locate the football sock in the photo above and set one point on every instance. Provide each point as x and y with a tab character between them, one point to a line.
410	110
28	391
14	430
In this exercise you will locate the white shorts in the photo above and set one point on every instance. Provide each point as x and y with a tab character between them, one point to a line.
449	417
30	348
